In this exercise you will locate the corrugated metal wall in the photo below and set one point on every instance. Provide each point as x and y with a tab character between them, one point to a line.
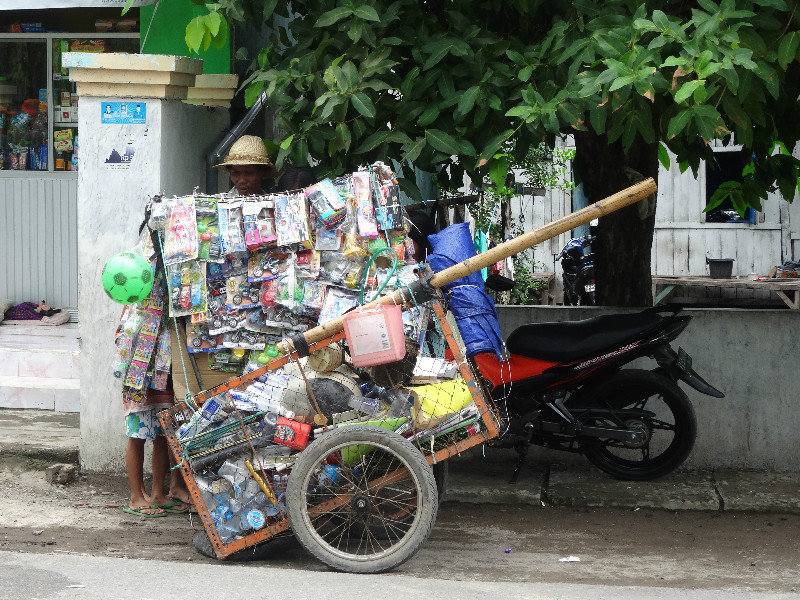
38	243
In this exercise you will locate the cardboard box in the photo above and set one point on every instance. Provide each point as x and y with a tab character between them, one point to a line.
210	378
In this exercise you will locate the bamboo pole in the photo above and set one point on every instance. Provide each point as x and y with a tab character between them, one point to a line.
621	199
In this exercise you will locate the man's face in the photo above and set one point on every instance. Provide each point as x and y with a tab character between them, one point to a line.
247	179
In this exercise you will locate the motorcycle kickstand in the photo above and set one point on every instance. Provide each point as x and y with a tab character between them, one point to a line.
522	451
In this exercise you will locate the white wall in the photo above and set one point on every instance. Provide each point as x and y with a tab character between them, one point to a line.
169	158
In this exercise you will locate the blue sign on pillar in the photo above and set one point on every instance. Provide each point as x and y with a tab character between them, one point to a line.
123	113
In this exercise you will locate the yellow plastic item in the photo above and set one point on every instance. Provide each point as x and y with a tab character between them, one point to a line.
434	401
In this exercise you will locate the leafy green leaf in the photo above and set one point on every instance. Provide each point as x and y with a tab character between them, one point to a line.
410	189
687	89
333	16
195	31
127	7
222	36
363	104
372	141
428	116
442	141
467	100
343	137
787	50
663	156
678	123
412	152
213	21
287	142
367	13
252	93
494	144
525	73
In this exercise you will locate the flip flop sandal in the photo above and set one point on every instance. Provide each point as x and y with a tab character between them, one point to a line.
138	511
168	508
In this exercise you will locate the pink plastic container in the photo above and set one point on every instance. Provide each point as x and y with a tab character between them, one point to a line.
375	335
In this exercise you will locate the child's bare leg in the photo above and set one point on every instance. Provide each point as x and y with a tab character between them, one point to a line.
177	487
134	463
160	466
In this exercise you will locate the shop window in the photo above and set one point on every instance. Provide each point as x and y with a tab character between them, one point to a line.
23	105
727	166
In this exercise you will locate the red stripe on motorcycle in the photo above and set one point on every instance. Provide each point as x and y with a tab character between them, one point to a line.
514	368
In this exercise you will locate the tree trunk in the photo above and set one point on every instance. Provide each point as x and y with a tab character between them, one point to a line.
624	238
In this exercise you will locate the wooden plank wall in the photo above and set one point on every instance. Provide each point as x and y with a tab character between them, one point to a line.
683	240
39	246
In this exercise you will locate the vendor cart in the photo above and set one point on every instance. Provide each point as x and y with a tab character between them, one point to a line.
338	447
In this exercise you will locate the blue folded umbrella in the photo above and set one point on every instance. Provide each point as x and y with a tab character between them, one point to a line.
472	307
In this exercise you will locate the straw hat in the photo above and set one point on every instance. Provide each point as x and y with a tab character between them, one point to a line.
249	150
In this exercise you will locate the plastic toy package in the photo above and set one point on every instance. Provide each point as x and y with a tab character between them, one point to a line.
180	236
199	339
242	293
362	191
327	203
231	227
259	223
187	288
207	228
266	264
292	221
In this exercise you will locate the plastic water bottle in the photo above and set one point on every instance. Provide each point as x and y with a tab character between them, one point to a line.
210	412
368	406
37	150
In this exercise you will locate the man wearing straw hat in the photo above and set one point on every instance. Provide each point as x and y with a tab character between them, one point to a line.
249	165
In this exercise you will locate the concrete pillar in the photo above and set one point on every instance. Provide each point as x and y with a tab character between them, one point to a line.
159	144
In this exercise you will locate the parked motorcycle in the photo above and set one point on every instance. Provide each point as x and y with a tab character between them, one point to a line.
564	387
577	265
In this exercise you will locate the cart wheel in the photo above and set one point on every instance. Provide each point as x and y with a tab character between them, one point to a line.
361	499
263	551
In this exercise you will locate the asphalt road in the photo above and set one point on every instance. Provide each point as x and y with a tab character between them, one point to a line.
53	537
28	576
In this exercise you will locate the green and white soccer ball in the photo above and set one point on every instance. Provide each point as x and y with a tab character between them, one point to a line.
127	278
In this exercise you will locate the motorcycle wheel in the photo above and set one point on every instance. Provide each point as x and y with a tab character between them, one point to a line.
380	481
670	434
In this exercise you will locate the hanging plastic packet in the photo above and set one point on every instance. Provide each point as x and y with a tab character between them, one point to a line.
163	362
288	293
259	223
198	339
313	297
228	361
187	288
327	239
291	220
180	237
241	293
266	264
231	227
267	295
307	264
362	191
327	203
335	304
127	332
207	228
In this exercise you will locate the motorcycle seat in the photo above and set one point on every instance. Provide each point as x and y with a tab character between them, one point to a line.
572	340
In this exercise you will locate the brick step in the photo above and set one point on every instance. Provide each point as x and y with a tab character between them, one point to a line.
46	393
56	361
11	329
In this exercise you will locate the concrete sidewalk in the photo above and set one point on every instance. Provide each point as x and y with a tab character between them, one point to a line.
34	439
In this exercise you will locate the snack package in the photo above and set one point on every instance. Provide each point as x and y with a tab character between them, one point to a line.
231	227
259	223
291	220
327	203
207	228
180	243
362	192
187	288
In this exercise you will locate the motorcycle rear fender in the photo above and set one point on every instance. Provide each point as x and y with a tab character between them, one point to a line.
667	360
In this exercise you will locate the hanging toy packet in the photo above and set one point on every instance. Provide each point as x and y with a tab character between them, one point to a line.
327	203
259	223
291	220
207	228
231	228
362	191
188	291
180	242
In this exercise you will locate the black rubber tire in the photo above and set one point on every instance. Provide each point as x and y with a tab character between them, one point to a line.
388	453
263	551
626	389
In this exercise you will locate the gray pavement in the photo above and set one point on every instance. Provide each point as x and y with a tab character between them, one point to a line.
34	439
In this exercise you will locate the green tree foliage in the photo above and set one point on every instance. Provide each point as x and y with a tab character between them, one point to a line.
448	84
